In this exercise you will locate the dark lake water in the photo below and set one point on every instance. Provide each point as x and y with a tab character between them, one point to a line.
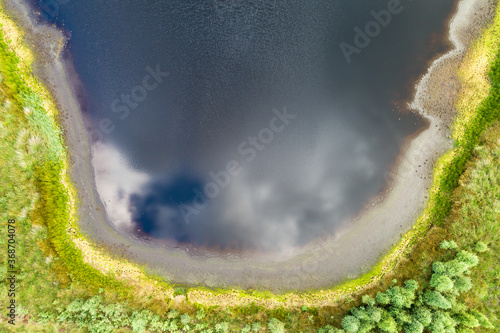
246	124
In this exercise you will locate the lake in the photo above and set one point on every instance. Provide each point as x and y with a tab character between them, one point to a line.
238	125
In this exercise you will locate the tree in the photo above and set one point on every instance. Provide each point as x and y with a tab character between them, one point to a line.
441	322
375	314
455	267
411	285
387	323
330	329
423	315
480	247
360	313
462	283
368	300
441	282
483	320
400	316
435	299
350	324
468	258
382	298
414	327
466	319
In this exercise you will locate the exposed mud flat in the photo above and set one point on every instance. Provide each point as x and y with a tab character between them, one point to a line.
320	265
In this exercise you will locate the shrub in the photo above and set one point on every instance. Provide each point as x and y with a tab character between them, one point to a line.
448	245
466	319
483	320
382	298
435	299
222	327
368	300
256	326
468	258
442	283
350	324
387	323
480	247
441	322
455	267
276	326
411	285
462	283
330	329
200	314
375	314
185	319
414	327
423	315
360	313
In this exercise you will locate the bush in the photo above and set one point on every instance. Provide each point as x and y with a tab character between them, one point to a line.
442	283
387	323
185	319
448	245
462	283
350	324
275	326
483	320
414	327
411	285
468	258
256	326
368	300
435	299
467	320
330	329
382	298
442	322
480	247
423	315
375	314
222	327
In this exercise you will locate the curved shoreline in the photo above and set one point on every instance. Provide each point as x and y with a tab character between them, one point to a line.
332	260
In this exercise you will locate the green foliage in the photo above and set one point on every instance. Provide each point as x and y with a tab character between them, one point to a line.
442	283
462	283
447	245
180	291
185	319
414	326
330	329
200	314
368	300
442	322
222	327
423	315
466	319
387	323
382	298
480	247
468	258
435	299
275	326
483	320
350	324
256	326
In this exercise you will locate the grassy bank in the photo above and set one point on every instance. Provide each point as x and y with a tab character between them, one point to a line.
59	289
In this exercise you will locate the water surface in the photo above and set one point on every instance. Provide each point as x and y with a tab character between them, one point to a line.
242	124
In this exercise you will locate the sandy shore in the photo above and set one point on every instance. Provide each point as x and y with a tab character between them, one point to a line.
350	253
